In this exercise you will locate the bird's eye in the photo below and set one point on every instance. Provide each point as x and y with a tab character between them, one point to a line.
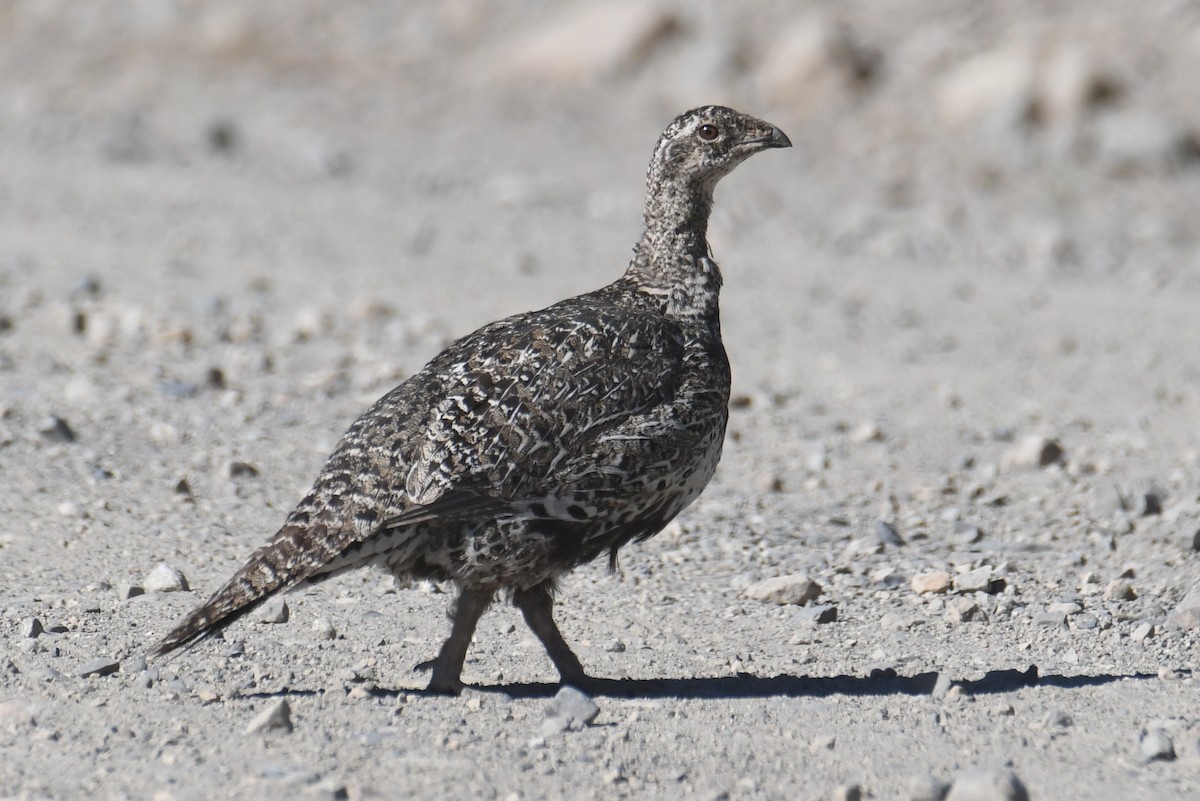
708	132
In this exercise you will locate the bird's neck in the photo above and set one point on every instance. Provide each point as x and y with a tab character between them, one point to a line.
672	259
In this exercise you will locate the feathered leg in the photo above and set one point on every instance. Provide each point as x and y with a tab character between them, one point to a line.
537	605
447	667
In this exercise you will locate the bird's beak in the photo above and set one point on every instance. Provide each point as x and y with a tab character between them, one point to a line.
776	138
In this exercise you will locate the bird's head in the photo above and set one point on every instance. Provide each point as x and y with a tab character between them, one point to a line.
703	145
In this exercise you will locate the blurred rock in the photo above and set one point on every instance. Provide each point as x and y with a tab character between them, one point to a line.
793	589
276	717
586	43
1034	451
273	610
995	87
1070	83
1187	614
569	709
165	578
56	429
933	581
988	784
1130	143
813	61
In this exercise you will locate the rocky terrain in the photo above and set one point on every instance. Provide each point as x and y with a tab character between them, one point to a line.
953	549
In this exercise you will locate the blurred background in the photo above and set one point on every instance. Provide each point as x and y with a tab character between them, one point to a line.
195	186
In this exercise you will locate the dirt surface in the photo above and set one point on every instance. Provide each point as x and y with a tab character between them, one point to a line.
964	305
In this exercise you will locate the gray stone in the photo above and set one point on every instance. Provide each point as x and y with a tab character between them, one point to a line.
276	717
100	666
977	580
966	534
165	578
792	589
56	429
817	615
1142	631
1119	590
941	686
1049	619
570	708
886	533
964	610
274	610
323	629
1187	614
1034	452
30	627
988	784
1106	500
1156	745
1191	541
125	591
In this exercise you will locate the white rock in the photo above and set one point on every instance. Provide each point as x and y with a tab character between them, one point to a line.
791	589
996	87
165	578
570	708
814	59
273	610
1034	451
276	717
988	784
931	582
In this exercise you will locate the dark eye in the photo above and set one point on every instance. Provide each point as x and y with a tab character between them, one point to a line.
708	132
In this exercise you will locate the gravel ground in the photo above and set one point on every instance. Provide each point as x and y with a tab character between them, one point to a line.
964	454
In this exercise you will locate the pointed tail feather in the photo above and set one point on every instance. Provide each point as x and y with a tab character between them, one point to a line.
274	567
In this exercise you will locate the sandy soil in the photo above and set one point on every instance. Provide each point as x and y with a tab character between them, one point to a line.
224	232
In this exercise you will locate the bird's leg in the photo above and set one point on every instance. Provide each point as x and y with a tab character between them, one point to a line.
447	667
537	606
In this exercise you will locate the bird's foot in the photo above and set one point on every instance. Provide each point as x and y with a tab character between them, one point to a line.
441	682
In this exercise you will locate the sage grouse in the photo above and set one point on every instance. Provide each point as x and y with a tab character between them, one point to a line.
539	442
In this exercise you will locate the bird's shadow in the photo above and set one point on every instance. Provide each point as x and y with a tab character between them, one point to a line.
878	683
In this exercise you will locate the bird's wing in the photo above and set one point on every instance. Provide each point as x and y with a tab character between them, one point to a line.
523	402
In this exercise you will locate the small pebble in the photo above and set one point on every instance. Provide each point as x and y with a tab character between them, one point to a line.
817	615
988	784
56	429
571	709
966	533
1049	619
792	589
274	610
933	581
941	686
1142	631
825	742
886	533
125	591
30	627
614	647
1034	451
276	717
1119	590
1157	745
323	629
165	578
978	580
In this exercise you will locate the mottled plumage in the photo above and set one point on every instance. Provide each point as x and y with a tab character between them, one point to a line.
540	441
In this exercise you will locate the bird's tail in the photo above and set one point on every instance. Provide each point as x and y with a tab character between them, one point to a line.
278	565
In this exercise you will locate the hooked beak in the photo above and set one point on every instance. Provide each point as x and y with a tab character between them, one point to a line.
776	138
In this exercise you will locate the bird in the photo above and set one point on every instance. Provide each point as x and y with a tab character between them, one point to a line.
539	442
